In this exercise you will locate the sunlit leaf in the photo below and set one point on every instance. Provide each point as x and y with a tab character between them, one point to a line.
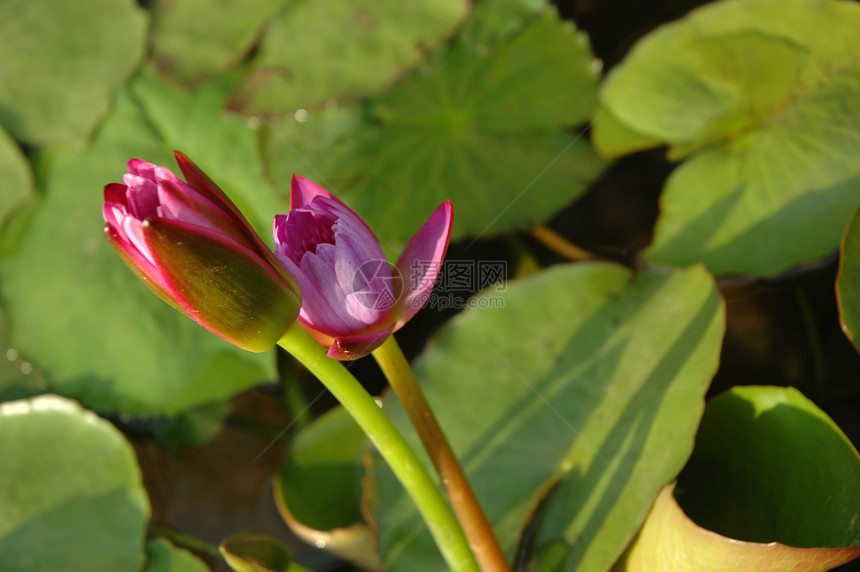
750	440
195	39
669	541
81	316
73	499
763	96
571	399
487	122
62	64
772	484
324	49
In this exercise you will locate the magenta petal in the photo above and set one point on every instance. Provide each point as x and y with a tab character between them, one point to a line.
303	191
325	300
421	261
150	274
353	347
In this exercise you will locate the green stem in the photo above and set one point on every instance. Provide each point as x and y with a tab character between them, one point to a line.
469	512
389	442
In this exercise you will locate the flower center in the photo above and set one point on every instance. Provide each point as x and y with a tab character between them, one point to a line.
307	231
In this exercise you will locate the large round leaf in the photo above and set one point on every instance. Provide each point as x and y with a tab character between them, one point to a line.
670	542
321	49
575	393
486	122
772	484
71	493
63	62
769	466
77	312
765	95
195	39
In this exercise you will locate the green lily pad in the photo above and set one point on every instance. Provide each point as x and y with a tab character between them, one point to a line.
329	49
72	492
63	63
746	506
571	398
737	482
848	281
670	541
485	122
318	490
163	556
18	377
193	40
763	96
80	315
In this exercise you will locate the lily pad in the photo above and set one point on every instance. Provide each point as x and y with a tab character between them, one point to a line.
318	490
323	49
763	96
80	315
750	441
571	398
486	122
193	40
63	63
670	541
72	492
744	502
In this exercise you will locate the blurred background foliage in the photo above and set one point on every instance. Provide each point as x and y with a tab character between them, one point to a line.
649	136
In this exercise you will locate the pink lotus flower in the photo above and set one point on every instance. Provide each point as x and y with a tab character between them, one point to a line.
353	298
193	248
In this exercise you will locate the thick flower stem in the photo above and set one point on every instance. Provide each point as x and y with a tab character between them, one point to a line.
469	512
389	442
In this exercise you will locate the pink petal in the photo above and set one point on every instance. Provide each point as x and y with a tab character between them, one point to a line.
301	231
303	191
421	261
115	193
323	307
353	347
151	275
364	276
141	168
